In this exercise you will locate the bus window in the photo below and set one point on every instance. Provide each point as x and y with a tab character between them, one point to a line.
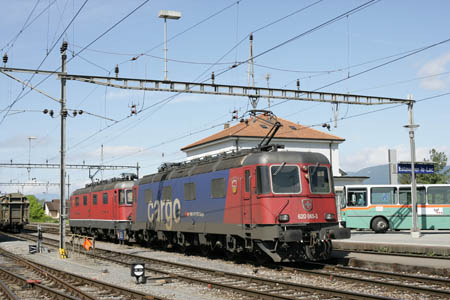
439	195
383	195
356	197
404	195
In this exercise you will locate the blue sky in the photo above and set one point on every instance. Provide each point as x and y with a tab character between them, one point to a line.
378	34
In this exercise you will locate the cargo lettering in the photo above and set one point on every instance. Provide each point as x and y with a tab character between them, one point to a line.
165	211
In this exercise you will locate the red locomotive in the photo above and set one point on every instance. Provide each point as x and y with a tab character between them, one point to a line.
102	208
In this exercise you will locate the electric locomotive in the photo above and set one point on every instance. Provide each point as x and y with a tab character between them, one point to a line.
102	208
277	205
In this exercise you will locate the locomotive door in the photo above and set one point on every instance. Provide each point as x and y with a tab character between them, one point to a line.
115	205
247	197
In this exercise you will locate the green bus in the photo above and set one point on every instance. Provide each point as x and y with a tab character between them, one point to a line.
383	207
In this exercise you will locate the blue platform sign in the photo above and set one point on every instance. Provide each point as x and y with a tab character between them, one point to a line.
419	168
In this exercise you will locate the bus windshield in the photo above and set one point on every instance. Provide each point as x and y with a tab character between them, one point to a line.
319	181
285	179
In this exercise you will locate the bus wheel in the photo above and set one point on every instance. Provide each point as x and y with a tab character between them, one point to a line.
380	225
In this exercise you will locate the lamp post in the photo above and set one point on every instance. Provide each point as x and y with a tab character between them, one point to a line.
29	153
415	231
167	14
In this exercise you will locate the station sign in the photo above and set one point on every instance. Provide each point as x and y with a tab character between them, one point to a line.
419	168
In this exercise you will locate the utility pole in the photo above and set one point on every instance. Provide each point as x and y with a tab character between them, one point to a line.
63	113
415	231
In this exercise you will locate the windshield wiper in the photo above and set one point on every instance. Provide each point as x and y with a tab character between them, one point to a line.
279	169
315	169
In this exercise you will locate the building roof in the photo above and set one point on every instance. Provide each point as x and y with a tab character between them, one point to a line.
53	205
257	128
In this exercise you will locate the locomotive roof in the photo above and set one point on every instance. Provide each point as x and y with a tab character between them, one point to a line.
233	160
119	184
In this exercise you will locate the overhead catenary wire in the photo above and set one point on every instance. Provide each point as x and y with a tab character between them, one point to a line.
167	100
10	44
326	23
375	67
20	96
304	126
42	62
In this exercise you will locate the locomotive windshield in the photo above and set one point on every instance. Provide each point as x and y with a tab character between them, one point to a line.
319	180
125	197
285	179
129	196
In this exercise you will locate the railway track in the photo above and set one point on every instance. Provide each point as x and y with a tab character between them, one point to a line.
23	279
54	229
432	286
393	254
398	285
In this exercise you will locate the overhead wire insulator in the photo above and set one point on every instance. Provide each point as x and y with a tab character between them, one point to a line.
298	84
63	47
5	58
116	70
212	77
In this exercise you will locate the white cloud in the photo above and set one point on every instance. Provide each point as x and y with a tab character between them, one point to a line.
432	67
368	157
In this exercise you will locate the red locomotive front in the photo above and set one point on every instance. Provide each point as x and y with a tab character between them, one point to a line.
287	199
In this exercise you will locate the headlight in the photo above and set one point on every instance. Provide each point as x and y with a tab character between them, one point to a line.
330	217
283	218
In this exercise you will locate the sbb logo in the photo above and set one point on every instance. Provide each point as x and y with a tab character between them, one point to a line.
165	211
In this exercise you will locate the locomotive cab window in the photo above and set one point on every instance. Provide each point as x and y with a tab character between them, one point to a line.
262	180
94	199
189	191
105	198
218	188
129	196
285	179
121	197
247	181
77	201
319	180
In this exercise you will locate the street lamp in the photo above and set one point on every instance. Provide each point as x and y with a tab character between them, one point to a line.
167	14
29	154
415	231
